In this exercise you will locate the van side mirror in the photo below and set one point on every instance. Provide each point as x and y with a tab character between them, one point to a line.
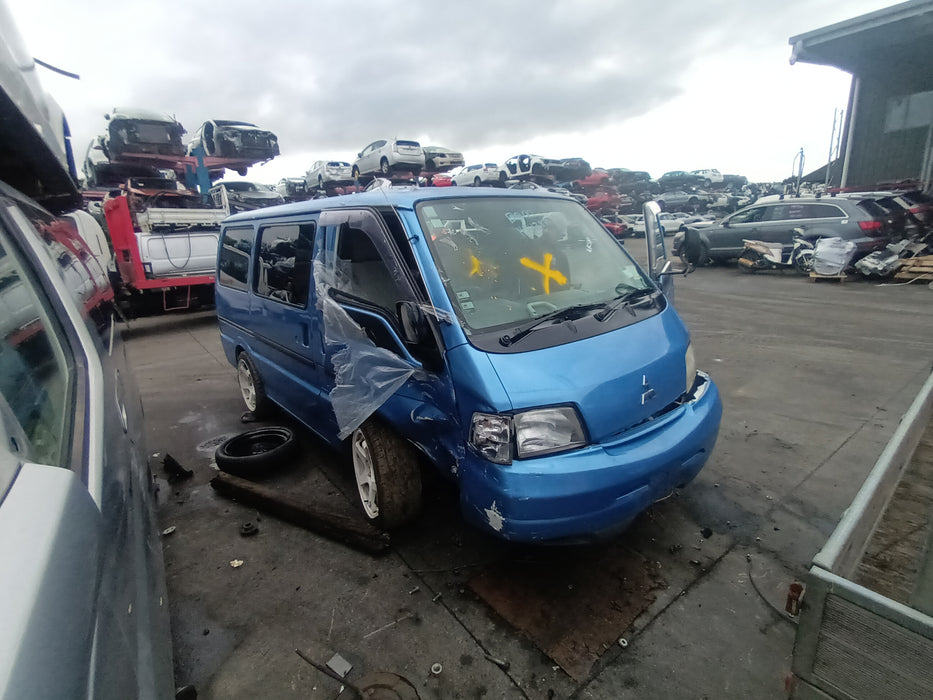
418	332
416	329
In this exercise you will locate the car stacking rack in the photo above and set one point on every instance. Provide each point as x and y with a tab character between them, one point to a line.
865	628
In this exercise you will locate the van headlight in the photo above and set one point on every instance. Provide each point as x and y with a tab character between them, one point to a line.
536	432
547	430
491	437
691	362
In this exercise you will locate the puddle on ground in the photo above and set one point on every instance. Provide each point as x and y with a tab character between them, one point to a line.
208	446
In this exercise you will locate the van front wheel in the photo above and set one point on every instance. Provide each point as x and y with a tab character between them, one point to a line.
251	386
388	479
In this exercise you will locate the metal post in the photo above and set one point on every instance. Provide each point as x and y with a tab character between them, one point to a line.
829	159
927	166
797	165
850	138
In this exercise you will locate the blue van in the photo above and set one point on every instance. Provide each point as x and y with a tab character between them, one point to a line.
505	335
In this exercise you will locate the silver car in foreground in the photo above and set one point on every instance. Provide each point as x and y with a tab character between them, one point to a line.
84	612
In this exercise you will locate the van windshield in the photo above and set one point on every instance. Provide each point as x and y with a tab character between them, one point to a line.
508	260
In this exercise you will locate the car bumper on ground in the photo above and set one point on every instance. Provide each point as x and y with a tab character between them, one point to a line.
595	491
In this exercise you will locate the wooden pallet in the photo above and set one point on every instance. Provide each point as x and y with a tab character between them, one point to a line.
841	277
912	268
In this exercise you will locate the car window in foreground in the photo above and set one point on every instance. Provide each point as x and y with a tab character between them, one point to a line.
34	366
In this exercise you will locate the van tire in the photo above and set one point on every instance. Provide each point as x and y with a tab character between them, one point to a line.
256	452
252	389
388	478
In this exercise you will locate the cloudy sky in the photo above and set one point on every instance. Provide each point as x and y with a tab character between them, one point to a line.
670	85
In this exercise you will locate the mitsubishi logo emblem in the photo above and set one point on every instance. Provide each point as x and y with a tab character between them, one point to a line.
648	392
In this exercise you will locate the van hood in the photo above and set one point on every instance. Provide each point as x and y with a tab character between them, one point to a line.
616	379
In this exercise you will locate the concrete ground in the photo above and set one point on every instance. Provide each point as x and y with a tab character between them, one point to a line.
686	604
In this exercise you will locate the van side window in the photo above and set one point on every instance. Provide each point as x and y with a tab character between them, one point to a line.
284	264
234	257
361	272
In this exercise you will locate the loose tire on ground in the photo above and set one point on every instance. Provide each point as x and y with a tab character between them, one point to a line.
256	452
252	388
388	479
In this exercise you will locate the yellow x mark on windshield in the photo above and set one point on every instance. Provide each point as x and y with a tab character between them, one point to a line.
545	271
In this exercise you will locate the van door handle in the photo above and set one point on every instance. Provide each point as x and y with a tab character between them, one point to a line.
305	338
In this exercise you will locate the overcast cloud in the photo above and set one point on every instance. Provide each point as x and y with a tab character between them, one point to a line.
656	86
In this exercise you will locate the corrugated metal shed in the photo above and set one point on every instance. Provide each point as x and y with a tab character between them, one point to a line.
889	131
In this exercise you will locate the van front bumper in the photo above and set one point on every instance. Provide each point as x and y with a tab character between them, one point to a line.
594	491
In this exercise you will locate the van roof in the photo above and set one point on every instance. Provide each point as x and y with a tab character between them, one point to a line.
402	197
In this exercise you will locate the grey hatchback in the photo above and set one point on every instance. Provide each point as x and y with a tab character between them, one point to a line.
860	220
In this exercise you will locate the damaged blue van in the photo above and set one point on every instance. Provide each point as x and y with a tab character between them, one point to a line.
504	335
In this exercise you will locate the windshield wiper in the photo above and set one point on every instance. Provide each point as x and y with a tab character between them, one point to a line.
571	313
626	300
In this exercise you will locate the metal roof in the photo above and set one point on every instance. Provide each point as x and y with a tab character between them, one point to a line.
897	38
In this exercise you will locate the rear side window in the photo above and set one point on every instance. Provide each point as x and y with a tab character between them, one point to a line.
823	211
777	212
284	265
808	210
875	210
235	249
